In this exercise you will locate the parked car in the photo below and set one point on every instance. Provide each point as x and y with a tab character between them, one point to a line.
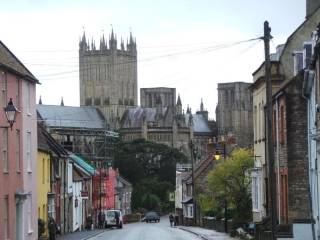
113	218
151	217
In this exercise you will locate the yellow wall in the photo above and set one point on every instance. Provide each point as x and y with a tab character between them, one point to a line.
43	186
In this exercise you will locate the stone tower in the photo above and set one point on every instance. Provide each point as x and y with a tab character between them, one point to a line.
108	76
234	112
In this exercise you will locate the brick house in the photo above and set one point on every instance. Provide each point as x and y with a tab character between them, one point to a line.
291	159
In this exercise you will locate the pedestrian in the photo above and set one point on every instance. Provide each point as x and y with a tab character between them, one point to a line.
52	229
171	219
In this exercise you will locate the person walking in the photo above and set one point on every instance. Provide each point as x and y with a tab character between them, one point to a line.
52	229
171	219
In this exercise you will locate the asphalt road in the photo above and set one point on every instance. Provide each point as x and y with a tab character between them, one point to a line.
146	231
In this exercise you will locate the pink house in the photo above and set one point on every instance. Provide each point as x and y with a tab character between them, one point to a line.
18	148
111	185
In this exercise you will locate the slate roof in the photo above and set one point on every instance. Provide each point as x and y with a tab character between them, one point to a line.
71	117
82	163
136	115
47	143
12	64
199	122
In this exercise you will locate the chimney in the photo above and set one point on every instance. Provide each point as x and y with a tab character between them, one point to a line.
311	7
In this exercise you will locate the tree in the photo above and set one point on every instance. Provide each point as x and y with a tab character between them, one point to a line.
151	168
230	181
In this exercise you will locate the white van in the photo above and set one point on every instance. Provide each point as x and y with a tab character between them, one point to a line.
113	218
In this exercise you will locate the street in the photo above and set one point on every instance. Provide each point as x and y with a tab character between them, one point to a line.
154	231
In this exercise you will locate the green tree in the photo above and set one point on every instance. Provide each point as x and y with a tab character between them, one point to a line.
230	180
151	168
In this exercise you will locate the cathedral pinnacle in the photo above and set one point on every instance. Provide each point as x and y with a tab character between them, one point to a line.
179	101
201	106
62	103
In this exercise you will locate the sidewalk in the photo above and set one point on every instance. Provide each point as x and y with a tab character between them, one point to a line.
206	234
82	235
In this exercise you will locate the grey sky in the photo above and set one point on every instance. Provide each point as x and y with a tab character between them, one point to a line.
45	35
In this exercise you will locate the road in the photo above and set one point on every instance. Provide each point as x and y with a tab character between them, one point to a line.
146	231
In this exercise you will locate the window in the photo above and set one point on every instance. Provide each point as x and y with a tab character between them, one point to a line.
29	152
4	149
29	213
18	163
255	123
17	101
282	125
43	169
255	196
6	217
28	97
3	83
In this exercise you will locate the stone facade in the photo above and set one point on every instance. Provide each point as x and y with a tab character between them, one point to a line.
295	42
150	96
234	112
108	76
168	125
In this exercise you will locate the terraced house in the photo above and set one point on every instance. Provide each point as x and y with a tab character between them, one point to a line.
18	144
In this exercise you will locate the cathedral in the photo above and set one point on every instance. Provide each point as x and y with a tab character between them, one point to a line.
108	76
108	81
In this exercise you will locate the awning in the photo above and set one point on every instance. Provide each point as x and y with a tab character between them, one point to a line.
187	200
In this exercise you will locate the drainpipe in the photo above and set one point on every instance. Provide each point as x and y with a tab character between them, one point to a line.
278	157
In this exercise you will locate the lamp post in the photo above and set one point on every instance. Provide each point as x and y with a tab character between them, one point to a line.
217	157
193	184
11	113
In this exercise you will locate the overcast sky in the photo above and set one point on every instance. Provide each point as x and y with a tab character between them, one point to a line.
186	44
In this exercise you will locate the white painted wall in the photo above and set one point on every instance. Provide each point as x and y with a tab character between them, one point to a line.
77	210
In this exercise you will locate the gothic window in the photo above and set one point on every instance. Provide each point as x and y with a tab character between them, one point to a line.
97	101
88	102
126	102
131	102
120	102
106	101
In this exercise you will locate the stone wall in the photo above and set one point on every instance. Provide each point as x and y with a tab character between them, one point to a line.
234	112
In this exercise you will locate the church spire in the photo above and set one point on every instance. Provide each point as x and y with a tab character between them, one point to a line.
62	103
40	100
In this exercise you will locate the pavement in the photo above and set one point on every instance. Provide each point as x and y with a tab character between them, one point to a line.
206	234
81	235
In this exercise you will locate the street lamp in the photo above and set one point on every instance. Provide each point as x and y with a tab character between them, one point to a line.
11	112
217	157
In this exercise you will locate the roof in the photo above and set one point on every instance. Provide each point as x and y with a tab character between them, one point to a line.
82	163
47	143
71	117
10	62
200	124
124	181
134	116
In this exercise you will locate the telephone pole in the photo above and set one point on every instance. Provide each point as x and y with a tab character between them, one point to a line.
270	154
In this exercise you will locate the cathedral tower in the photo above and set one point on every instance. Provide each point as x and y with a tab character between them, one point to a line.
108	76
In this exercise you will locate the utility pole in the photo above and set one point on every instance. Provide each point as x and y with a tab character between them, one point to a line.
270	154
